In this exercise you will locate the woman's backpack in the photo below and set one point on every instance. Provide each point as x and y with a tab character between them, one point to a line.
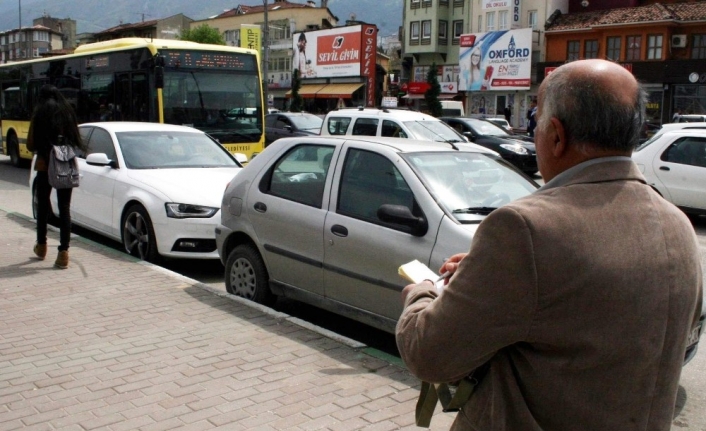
63	167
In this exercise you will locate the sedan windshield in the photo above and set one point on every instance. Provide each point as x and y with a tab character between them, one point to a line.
307	122
432	131
154	150
488	129
469	185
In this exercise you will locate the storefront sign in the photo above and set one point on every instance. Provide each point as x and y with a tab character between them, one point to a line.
495	4
250	37
516	14
497	60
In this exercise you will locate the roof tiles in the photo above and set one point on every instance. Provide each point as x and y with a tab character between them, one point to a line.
683	12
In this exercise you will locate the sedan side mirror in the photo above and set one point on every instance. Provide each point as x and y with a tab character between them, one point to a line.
400	214
100	159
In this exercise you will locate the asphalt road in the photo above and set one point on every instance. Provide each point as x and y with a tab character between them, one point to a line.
691	398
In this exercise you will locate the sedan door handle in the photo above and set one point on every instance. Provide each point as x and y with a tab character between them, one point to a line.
664	168
339	230
260	207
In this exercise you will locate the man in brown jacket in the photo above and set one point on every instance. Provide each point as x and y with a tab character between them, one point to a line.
579	297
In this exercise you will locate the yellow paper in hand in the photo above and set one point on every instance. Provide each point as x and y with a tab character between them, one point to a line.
416	272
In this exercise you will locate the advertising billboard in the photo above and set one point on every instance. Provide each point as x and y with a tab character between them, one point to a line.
338	52
496	60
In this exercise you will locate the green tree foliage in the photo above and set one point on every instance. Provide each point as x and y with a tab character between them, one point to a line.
203	34
432	94
297	102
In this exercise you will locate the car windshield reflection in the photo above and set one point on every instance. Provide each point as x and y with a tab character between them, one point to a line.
155	150
469	185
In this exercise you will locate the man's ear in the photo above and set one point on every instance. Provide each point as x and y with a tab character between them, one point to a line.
558	136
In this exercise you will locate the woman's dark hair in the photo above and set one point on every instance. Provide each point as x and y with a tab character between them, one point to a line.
54	116
302	37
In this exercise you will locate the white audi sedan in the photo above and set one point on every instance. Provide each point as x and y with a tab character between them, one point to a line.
156	188
674	164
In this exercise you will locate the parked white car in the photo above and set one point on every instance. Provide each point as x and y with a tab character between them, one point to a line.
156	188
674	164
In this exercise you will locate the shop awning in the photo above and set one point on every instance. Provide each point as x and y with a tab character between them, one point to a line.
421	96
335	91
308	91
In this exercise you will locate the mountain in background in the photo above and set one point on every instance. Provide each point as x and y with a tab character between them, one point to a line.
97	15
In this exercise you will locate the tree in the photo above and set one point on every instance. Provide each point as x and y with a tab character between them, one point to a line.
432	94
203	34
297	101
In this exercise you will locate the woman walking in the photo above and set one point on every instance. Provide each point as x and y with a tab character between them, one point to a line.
53	117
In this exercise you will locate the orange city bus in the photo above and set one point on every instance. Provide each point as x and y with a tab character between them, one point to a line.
214	88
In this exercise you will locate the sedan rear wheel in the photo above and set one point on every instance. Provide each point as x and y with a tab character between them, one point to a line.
138	234
246	275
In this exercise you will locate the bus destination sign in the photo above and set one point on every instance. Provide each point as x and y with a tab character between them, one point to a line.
209	60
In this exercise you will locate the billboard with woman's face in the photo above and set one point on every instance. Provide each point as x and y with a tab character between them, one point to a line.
496	60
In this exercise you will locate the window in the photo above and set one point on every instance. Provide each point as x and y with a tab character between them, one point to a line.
101	142
300	175
40	36
613	52
415	4
490	21
365	127
654	47
572	50
480	23
687	151
443	30
458	29
232	37
426	29
590	49
502	20
414	31
698	48
338	125
633	51
370	180
392	129
532	19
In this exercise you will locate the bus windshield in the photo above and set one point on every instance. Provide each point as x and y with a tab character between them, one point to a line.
225	105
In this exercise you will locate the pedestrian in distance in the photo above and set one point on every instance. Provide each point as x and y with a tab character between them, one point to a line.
577	300
532	118
53	118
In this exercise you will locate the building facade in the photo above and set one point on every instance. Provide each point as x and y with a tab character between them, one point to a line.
432	33
28	42
662	44
284	20
165	28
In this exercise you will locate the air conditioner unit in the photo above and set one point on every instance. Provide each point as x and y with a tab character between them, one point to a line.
678	41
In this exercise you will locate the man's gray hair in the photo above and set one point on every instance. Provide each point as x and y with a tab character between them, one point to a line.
591	115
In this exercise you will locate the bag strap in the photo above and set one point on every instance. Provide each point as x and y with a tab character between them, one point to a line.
452	397
426	403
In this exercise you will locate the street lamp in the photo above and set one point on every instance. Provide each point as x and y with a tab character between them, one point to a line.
265	57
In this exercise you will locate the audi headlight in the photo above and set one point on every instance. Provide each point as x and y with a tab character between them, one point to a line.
175	210
515	148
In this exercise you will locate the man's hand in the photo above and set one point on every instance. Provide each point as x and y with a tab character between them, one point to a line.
408	288
451	265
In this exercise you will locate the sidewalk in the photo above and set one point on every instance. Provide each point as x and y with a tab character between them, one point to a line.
116	344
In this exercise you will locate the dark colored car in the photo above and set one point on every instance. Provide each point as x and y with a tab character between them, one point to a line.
290	124
519	152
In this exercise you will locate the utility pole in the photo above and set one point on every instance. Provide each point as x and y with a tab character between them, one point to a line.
266	59
20	2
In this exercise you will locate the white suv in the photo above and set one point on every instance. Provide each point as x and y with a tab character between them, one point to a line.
393	123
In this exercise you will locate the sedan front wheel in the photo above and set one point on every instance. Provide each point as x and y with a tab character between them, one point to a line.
138	234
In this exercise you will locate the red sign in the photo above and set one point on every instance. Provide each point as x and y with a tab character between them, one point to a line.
548	71
367	63
468	40
417	87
